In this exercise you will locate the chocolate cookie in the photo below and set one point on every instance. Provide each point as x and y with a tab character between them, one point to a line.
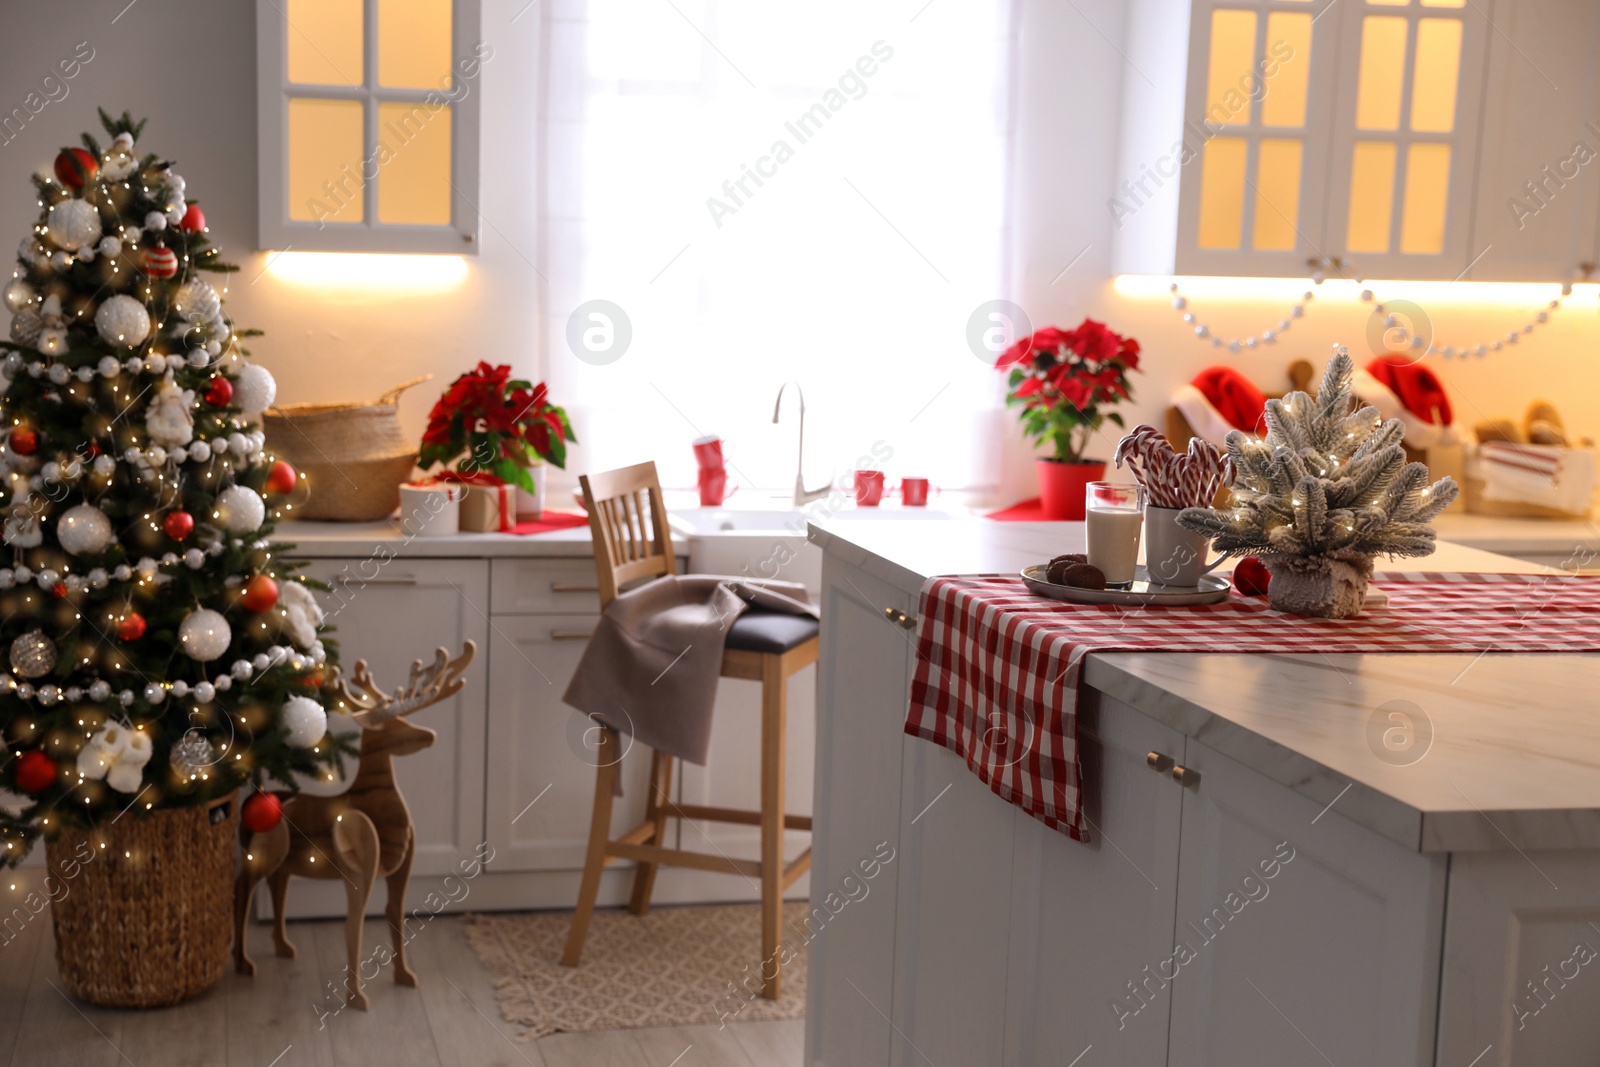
1083	576
1056	572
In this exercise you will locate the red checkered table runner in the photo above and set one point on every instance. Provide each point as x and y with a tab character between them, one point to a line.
998	668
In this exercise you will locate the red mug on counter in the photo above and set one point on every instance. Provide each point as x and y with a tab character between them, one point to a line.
869	488
708	452
914	492
714	487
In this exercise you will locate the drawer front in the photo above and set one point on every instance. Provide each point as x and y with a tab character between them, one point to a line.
542	586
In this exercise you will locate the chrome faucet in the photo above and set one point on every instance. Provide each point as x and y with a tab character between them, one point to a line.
802	495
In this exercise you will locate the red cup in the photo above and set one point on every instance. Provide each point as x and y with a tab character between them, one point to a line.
714	488
708	452
869	488
914	492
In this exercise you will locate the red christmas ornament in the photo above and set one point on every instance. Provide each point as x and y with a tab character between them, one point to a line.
260	593
75	167
178	524
36	772
1251	577
24	442
59	590
261	812
160	262
194	220
281	478
220	392
131	628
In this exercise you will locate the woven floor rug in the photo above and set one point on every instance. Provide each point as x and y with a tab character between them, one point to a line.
676	966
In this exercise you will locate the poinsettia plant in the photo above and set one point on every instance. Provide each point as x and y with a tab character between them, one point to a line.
490	423
1063	380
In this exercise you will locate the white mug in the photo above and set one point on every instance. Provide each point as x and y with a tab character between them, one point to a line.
1172	555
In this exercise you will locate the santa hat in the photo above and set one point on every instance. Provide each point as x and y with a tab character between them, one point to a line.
1403	390
1218	400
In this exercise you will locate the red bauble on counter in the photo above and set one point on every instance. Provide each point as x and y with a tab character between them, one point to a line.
261	812
36	772
1251	577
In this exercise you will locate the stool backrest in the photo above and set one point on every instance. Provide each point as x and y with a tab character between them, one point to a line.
628	522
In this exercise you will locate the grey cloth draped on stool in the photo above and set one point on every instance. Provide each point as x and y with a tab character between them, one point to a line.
651	668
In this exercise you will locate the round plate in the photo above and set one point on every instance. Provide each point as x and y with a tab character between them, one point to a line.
1213	589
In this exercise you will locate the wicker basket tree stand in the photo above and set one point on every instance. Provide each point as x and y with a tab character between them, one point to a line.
147	921
354	455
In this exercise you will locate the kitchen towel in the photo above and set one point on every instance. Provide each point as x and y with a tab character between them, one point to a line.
651	668
998	668
1559	478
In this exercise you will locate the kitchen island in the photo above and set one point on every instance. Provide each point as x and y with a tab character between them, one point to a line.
1376	859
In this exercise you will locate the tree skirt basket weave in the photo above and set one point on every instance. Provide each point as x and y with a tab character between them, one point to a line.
147	920
353	455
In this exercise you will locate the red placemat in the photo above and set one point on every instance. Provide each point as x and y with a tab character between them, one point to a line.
1026	511
551	520
998	668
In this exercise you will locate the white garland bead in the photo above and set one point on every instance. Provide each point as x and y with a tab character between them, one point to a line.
156	363
242	669
179	454
223	683
198	357
261	661
59	373
99	690
199	451
219	446
98	579
204	692
156	456
131	456
154	694
125	698
109	367
194	559
8	578
74	694
24	691
169	558
180	688
133	364
155	222
85	374
122	572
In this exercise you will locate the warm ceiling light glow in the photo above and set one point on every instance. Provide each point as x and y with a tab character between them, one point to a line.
1218	290
364	270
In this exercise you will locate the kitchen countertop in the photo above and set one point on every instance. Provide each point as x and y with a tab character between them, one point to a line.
359	540
1516	738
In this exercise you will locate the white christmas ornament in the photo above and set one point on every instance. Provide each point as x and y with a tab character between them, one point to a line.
119	160
73	223
84	530
196	302
255	389
301	613
305	720
155	222
123	320
205	635
110	246
20	296
169	420
118	755
240	509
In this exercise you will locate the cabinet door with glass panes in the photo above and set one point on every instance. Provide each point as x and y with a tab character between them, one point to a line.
1338	135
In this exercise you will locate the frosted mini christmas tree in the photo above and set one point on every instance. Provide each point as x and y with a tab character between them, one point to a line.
157	652
1324	492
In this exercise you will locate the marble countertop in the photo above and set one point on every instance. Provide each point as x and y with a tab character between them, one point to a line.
359	540
1515	745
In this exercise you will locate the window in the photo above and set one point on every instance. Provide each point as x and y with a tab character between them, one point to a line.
768	192
368	124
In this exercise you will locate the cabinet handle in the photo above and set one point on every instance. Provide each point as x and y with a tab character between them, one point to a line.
900	618
1159	763
572	587
395	579
1184	776
571	635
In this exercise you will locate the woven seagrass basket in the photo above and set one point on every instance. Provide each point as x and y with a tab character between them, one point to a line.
147	922
354	456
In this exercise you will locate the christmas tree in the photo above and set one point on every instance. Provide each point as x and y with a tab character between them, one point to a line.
160	653
1325	491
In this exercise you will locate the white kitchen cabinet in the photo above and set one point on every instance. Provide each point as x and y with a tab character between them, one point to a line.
864	671
539	785
1522	960
1539	170
1090	922
1336	956
396	611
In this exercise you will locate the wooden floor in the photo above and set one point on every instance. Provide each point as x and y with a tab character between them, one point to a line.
276	1019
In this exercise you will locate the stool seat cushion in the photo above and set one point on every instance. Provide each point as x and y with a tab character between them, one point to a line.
770	631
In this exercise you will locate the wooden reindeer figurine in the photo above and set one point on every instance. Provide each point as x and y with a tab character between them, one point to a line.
360	835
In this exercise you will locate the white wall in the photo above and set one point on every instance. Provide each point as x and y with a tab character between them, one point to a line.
350	343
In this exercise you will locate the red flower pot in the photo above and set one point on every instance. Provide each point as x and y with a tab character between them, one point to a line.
1063	486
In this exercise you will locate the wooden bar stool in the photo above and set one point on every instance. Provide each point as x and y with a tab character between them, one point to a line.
632	542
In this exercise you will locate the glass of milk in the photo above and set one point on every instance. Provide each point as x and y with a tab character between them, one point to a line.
1115	515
